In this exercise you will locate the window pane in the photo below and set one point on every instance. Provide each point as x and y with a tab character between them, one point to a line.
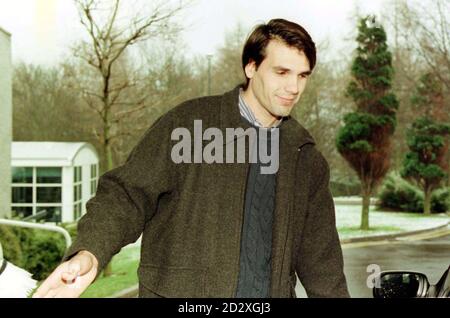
22	195
93	187
53	213
93	171
77	174
48	195
22	175
77	211
77	193
48	175
22	211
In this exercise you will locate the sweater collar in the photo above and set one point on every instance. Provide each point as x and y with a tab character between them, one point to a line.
230	117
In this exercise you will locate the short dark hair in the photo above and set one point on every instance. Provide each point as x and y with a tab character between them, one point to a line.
290	33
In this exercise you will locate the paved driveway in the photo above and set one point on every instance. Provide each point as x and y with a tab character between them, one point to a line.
429	256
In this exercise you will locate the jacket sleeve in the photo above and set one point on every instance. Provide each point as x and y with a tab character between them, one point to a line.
319	263
126	197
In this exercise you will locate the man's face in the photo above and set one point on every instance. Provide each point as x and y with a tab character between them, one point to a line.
280	79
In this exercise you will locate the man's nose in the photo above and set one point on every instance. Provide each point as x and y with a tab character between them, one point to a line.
292	86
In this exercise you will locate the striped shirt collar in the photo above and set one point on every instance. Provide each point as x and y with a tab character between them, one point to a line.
247	113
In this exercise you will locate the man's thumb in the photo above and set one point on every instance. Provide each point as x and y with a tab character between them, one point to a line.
78	266
75	267
81	264
73	271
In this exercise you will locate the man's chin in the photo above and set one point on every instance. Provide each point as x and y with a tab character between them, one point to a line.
283	111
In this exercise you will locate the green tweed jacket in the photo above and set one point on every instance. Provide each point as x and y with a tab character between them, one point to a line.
191	214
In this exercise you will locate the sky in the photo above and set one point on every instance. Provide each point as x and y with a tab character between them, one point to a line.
43	30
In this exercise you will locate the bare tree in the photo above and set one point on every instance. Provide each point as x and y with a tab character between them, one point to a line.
106	84
421	44
109	39
44	108
227	69
168	79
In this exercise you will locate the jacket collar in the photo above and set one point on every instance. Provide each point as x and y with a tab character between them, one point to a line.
230	117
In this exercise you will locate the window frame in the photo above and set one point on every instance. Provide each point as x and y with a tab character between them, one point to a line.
34	185
77	187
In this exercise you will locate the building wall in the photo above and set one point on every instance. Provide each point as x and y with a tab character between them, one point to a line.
85	157
5	123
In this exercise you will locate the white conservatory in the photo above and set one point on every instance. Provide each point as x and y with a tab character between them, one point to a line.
58	177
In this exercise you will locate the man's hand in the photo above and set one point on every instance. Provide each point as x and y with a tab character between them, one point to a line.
71	278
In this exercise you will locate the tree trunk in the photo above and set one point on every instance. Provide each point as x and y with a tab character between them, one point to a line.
109	158
365	208
109	165
427	202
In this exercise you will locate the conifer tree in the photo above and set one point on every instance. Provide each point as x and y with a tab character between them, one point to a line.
426	163
365	139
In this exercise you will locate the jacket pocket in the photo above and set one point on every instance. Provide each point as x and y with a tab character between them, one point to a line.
171	281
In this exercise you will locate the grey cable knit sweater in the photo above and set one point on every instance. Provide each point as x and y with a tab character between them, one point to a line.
256	243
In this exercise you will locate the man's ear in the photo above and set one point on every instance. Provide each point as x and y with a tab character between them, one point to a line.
250	69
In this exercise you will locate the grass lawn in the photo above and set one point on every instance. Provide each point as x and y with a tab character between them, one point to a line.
124	266
348	219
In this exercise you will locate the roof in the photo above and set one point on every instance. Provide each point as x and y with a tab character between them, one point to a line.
5	32
64	152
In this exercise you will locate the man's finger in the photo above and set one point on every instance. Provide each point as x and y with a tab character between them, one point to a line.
69	278
68	293
51	294
73	271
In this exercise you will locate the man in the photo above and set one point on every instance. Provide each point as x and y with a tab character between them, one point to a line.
221	229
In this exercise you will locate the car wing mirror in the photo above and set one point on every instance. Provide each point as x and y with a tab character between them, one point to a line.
400	284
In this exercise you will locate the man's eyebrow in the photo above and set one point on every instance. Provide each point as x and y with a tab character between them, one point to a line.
281	68
284	69
306	73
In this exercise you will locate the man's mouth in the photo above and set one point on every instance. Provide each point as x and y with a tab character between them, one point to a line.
286	101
